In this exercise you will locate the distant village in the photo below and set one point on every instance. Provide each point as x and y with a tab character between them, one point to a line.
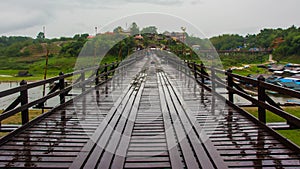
178	36
285	75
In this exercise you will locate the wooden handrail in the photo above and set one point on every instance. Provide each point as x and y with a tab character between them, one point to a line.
61	89
262	86
262	103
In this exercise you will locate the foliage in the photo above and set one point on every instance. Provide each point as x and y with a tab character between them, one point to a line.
12	46
227	42
40	36
241	59
290	45
134	29
73	48
118	29
149	29
282	42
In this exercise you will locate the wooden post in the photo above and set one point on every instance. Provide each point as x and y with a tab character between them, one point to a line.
105	70
195	70
213	90
112	66
262	98
97	77
213	83
61	87
202	73
45	72
24	100
82	80
230	84
187	65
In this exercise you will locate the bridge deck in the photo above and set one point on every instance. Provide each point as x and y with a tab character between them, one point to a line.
151	116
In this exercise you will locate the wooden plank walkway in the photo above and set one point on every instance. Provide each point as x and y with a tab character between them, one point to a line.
151	116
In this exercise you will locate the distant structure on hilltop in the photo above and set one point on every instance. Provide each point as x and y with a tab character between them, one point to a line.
175	35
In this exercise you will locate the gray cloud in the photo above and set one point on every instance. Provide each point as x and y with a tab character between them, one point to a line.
20	14
66	17
14	17
158	2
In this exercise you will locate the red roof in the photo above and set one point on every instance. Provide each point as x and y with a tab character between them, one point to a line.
138	37
90	37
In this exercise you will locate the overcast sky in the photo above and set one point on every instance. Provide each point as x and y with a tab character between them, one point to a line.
212	17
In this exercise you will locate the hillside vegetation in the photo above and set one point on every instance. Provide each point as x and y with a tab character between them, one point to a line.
283	43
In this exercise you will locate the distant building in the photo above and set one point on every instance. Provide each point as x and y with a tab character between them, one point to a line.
175	35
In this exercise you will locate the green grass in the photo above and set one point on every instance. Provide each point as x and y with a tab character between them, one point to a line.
293	135
288	59
37	68
17	118
271	117
242	59
3	134
253	70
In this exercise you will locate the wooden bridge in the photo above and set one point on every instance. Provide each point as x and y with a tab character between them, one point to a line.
147	112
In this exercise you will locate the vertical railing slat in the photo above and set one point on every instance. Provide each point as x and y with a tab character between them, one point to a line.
230	84
262	98
61	87
24	101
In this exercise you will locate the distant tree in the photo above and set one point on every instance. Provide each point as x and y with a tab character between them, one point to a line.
77	36
80	37
40	36
118	29
72	49
149	29
134	29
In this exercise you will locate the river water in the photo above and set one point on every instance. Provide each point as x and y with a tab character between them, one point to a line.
33	94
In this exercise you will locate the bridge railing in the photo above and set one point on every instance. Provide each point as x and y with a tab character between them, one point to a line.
92	76
263	102
228	81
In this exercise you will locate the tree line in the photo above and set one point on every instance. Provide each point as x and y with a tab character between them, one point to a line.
282	42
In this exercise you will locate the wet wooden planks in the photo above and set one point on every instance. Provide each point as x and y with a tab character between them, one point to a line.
198	153
148	147
111	137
